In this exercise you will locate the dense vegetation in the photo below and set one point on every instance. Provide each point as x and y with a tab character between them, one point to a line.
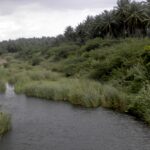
104	61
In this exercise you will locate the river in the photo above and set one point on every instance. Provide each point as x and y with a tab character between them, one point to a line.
48	125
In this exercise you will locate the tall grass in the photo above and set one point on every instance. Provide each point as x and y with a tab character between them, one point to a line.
2	87
72	90
22	78
76	91
4	123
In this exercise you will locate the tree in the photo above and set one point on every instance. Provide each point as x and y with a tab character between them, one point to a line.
88	27
69	33
108	23
81	33
121	14
135	18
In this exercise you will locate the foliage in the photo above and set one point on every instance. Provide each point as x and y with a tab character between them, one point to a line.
140	106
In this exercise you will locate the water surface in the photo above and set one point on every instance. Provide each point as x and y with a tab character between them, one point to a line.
47	125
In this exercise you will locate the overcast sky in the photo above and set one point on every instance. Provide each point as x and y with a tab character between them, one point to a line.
36	18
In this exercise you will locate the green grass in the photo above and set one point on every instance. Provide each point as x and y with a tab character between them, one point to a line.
82	92
2	87
5	123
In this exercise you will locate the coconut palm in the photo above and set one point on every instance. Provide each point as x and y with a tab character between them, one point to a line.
109	23
121	14
135	17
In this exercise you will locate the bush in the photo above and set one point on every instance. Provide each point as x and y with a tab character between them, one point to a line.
114	99
135	78
140	106
36	61
146	56
61	52
147	48
91	44
98	43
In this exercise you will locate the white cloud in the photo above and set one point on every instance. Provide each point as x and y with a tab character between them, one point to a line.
34	19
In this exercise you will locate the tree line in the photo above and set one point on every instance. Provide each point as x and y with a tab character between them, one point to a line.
127	19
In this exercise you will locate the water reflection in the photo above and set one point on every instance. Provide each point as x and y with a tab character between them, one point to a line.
9	91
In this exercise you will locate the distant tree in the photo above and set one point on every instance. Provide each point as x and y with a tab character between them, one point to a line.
108	23
135	17
121	14
88	27
11	47
69	33
80	33
97	26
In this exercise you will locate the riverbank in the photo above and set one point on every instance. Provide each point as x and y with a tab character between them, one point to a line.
83	92
112	73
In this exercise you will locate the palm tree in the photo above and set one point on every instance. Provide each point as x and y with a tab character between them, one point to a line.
97	26
121	15
80	33
88	27
147	19
109	23
135	17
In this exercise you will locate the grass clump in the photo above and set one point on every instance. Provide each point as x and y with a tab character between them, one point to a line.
73	90
19	80
2	87
86	93
4	123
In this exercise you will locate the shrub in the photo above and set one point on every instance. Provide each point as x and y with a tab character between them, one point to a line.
36	61
61	52
43	75
91	44
135	77
140	106
114	99
147	48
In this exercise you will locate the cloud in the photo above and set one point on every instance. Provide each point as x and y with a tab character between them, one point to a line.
8	6
34	21
36	18
11	6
